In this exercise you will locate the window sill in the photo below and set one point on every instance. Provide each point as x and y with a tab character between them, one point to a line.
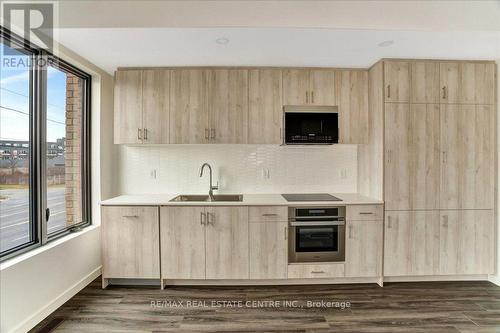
28	255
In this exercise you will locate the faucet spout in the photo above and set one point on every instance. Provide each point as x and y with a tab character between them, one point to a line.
211	188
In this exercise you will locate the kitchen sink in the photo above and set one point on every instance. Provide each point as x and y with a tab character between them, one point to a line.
206	198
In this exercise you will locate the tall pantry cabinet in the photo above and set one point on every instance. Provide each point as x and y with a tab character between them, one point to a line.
439	154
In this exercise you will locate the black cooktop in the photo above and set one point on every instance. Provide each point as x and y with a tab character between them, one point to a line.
310	197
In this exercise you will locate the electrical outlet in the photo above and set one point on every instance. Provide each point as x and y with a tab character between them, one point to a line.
152	173
265	173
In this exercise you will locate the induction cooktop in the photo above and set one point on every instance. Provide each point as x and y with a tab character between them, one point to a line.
310	197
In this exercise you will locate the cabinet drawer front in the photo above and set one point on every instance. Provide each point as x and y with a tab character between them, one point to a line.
268	214
313	271
365	212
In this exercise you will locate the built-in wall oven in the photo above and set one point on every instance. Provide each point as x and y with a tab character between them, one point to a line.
316	234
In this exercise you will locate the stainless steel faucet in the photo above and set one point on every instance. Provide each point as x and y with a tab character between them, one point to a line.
216	187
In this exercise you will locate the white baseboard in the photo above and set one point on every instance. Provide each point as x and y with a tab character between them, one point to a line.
494	279
43	313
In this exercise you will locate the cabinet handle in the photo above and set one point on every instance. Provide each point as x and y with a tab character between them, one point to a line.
318	272
269	214
389	226
350	231
131	216
212	133
365	213
388	91
139	134
145	134
444	92
203	218
312	97
444	157
206	134
445	221
307	97
208	219
286	233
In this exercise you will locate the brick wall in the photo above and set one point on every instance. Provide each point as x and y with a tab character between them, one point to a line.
73	150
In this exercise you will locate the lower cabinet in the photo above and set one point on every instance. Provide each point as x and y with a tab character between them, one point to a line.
204	242
466	242
363	248
438	242
226	243
411	245
268	250
130	242
182	237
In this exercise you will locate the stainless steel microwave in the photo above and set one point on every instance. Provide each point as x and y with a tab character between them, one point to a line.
310	125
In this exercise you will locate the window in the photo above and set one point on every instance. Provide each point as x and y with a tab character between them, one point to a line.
44	132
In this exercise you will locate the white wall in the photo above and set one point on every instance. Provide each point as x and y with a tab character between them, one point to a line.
238	168
36	283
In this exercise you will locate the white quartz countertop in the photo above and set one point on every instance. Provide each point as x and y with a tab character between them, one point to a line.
248	200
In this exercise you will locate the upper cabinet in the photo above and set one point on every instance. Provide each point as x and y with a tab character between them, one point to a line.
209	106
449	78
264	106
227	105
397	81
309	87
141	106
424	82
352	100
477	83
467	83
155	105
188	105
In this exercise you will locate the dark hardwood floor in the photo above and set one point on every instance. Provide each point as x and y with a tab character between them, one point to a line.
398	307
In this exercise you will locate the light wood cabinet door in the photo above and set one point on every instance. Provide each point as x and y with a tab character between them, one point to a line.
412	164
466	242
477	83
352	99
449	82
264	106
227	243
188	106
182	232
128	107
296	86
156	106
228	105
467	157
268	250
130	242
397	81
363	248
322	87
424	82
411	243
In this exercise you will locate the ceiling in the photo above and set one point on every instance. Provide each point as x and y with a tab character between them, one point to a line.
133	47
115	34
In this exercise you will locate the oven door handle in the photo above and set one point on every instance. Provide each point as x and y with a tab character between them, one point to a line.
316	224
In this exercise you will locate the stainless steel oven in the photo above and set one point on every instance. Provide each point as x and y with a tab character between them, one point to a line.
316	234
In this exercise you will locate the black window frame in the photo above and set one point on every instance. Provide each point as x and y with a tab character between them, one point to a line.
38	151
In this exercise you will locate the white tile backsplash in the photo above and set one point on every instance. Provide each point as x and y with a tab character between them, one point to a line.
238	168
